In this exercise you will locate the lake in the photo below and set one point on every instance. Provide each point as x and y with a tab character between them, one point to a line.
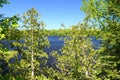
56	43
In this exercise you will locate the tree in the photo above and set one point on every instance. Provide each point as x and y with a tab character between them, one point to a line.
105	15
77	60
35	41
2	2
7	24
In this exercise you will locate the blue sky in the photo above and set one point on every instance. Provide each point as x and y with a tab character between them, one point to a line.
53	12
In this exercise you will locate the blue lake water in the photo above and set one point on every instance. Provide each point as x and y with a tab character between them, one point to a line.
56	43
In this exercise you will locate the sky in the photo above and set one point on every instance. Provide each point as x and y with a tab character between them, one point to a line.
53	12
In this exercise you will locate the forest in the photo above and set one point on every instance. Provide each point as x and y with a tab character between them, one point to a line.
23	56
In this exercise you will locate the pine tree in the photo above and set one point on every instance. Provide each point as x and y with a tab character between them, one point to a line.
105	16
35	41
77	60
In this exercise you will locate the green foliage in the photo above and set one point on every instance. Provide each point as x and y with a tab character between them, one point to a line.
35	41
1	35
59	32
105	15
7	24
2	2
66	32
77	60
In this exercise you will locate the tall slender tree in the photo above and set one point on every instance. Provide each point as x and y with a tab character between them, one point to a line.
35	40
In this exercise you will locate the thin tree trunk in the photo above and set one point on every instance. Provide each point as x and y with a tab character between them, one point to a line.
32	60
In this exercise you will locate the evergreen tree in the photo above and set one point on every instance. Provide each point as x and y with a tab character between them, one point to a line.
35	41
105	15
77	60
